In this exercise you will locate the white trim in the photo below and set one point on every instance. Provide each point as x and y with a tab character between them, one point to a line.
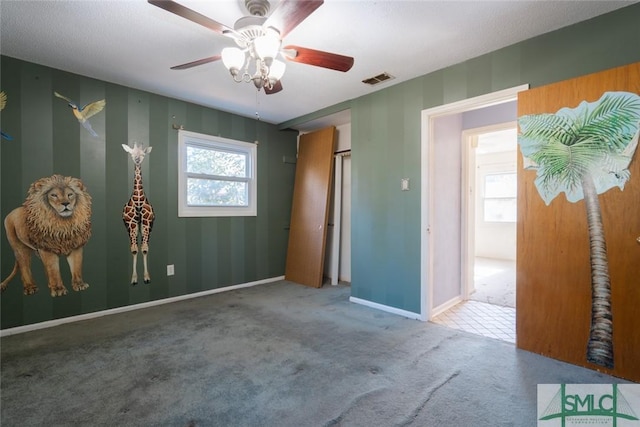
87	316
426	196
468	212
393	310
445	306
426	172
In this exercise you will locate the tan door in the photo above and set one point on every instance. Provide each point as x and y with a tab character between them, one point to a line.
309	213
554	268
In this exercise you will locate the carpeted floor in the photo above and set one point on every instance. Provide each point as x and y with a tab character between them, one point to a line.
278	354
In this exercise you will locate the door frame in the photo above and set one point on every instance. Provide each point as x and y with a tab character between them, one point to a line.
428	117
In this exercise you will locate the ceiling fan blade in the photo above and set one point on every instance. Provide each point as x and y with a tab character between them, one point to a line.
196	63
318	58
289	13
276	88
191	15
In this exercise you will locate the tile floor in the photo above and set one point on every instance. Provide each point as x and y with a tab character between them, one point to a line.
495	283
481	318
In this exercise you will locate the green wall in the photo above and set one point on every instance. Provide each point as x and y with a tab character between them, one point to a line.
208	253
385	141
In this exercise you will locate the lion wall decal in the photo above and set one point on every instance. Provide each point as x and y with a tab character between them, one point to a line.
53	221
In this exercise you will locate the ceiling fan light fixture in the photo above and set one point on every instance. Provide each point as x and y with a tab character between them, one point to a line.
233	59
267	46
259	40
261	46
276	71
258	81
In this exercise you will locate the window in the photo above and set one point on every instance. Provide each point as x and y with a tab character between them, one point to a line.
216	176
500	197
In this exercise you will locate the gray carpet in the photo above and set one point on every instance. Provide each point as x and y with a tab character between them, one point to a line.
273	355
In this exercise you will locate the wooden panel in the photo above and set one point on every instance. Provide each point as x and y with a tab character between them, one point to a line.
553	258
310	210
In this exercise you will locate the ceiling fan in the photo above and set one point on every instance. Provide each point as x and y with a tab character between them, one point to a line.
259	40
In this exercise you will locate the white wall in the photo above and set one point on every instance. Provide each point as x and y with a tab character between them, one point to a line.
446	216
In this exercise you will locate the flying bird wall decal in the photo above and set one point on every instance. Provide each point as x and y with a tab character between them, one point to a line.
3	103
84	113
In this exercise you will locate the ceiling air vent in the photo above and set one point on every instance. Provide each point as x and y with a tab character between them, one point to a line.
378	79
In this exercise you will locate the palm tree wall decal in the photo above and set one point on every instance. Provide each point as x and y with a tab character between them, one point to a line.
585	152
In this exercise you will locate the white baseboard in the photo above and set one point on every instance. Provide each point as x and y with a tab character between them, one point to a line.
80	317
382	307
445	306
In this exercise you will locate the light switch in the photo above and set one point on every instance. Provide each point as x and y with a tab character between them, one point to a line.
405	184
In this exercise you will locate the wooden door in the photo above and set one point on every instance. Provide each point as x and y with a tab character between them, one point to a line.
310	209
554	271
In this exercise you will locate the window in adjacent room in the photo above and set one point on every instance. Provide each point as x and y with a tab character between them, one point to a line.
216	176
500	192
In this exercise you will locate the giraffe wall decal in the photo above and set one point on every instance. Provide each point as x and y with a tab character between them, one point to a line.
138	213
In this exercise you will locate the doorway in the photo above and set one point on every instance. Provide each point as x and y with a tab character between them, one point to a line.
487	306
447	266
491	213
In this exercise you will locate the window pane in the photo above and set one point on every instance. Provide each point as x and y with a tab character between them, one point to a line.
500	185
216	176
215	162
500	210
207	192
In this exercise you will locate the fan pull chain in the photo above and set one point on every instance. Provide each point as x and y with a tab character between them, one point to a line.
257	104
257	116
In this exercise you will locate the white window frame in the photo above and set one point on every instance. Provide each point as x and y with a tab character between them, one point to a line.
186	139
485	198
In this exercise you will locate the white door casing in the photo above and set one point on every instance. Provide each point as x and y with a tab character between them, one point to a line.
427	311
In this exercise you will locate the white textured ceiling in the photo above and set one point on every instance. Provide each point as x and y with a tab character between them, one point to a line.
133	43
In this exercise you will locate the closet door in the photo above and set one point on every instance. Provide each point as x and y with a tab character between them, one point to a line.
310	209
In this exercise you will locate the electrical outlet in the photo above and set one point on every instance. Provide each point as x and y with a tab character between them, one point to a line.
170	270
